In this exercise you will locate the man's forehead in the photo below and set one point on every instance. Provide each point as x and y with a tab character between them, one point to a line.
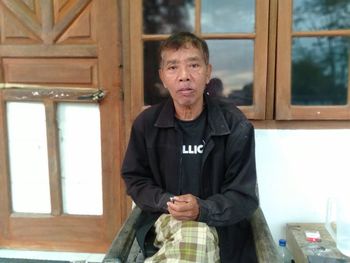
184	53
177	60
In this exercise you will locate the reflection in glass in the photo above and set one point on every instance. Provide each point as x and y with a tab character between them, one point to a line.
227	16
313	15
154	90
232	73
166	17
320	70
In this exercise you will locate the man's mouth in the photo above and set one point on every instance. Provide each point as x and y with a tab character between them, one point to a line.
185	91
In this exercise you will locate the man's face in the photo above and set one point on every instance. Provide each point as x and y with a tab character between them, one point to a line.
185	74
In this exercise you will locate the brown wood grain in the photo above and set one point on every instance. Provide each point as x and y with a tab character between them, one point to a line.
71	48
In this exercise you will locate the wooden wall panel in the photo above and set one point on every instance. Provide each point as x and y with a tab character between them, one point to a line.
21	23
81	72
48	21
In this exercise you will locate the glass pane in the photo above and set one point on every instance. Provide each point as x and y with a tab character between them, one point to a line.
29	170
228	16
320	70
232	74
154	91
313	15
80	155
168	16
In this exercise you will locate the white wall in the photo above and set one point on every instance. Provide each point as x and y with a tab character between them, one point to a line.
297	171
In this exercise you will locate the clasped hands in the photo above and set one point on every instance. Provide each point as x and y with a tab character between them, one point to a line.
184	207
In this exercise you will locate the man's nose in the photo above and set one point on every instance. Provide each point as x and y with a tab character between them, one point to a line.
183	74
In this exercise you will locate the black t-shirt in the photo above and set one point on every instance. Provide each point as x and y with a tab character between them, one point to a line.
191	153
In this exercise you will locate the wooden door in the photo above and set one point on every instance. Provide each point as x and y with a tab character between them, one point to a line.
54	51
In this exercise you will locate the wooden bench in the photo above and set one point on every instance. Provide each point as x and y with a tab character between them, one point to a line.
124	247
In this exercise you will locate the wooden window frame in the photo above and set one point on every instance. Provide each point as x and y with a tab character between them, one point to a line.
284	109
272	68
256	111
49	97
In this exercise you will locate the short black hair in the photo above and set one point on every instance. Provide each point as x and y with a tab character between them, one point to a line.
181	39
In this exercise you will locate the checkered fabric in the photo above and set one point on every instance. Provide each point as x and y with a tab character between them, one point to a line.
184	242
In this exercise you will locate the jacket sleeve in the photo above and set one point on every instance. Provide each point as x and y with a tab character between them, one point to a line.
137	174
237	199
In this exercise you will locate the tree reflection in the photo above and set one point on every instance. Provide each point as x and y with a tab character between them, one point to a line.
320	79
313	15
242	97
162	17
320	65
215	88
167	16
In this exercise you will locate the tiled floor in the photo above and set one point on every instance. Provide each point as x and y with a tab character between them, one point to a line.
69	256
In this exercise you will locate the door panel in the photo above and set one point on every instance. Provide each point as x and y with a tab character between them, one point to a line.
82	72
55	52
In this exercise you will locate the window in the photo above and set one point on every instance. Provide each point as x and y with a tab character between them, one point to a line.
46	125
280	60
238	51
313	60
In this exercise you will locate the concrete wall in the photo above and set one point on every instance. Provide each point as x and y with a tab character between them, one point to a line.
298	170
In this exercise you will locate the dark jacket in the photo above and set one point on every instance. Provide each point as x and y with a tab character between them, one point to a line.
228	179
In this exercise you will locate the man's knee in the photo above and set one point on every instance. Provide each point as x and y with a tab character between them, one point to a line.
190	240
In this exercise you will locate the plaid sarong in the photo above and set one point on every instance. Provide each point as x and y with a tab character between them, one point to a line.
184	242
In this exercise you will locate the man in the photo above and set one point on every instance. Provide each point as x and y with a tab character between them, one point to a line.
191	161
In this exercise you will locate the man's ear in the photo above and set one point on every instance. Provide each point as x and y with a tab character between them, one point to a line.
160	73
209	68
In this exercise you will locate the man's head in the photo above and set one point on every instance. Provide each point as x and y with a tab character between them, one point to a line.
184	39
185	71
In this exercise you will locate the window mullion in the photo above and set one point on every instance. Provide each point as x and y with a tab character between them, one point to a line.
53	153
5	193
271	60
283	66
197	15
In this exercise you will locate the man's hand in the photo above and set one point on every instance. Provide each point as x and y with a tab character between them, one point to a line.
184	207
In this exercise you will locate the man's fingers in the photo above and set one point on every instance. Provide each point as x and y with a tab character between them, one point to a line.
183	215
184	207
179	206
185	198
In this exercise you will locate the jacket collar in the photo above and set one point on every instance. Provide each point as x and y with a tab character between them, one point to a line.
216	119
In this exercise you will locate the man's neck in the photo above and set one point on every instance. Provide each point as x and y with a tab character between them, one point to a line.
188	113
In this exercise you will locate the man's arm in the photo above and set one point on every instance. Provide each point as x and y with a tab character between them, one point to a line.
137	174
237	199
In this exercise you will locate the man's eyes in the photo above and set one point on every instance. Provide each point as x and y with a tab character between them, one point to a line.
172	67
194	65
